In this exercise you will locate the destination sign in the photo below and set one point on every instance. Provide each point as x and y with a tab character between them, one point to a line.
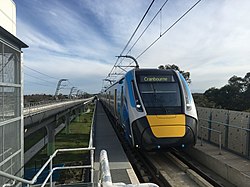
156	78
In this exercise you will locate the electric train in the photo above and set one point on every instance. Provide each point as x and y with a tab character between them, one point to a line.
154	108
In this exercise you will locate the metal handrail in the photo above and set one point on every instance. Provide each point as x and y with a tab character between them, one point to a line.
225	124
61	168
104	171
49	161
91	137
220	136
105	179
105	176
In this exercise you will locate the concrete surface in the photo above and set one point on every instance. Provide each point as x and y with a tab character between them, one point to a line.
231	167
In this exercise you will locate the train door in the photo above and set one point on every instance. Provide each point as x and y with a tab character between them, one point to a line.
120	103
115	103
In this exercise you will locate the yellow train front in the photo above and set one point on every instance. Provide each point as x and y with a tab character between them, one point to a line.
154	108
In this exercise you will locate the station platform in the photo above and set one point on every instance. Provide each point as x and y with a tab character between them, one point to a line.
230	166
105	139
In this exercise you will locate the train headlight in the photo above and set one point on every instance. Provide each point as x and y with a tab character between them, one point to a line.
138	106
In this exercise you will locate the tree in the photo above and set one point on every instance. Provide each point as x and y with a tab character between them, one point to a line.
233	96
202	101
186	75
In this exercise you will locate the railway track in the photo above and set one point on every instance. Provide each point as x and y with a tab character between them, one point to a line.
209	175
168	168
175	168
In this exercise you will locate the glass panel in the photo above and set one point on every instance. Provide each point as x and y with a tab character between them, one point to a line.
1	144
10	67
9	103
1	104
10	98
12	139
1	62
160	94
17	165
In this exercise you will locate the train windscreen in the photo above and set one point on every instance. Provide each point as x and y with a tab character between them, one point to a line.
160	93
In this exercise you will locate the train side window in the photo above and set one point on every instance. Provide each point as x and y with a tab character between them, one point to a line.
109	98
115	102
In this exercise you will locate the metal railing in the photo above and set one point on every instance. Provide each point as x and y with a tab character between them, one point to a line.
67	167
227	134
91	143
225	124
50	162
105	179
220	136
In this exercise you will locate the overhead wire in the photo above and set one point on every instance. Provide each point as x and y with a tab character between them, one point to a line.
147	27
38	84
40	72
63	86
161	34
151	21
137	27
132	35
169	28
181	17
39	78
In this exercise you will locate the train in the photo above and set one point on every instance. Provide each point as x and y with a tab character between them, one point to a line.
153	108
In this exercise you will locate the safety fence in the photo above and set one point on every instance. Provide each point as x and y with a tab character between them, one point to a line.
104	177
49	162
15	180
225	128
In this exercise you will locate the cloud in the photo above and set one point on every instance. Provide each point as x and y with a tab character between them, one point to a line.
80	39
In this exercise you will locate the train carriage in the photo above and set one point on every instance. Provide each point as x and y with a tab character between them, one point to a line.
154	108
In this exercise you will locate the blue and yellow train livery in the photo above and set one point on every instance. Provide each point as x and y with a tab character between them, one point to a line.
154	108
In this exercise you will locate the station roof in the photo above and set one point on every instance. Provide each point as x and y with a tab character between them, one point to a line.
8	37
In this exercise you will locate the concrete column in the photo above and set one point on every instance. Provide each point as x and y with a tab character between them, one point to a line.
82	109
67	122
51	136
78	113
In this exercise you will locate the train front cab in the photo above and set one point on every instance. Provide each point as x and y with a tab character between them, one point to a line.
164	97
163	133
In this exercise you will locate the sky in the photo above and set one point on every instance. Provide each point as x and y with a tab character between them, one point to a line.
79	40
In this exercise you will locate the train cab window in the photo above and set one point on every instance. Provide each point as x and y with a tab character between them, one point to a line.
160	94
115	102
